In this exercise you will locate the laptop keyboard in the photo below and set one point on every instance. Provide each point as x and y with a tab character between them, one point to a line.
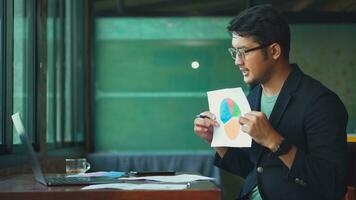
65	180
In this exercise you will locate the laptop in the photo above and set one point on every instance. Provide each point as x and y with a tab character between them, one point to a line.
53	180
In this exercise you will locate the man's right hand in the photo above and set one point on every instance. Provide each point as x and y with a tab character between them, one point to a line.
204	127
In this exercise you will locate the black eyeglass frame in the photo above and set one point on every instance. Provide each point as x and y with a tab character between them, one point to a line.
233	50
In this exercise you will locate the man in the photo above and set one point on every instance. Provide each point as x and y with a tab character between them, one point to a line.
298	126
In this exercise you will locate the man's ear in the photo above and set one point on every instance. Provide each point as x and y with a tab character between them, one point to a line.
276	51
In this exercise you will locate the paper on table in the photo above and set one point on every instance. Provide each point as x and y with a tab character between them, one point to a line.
131	186
228	105
183	178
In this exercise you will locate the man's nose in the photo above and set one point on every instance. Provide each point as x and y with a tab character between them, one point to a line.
238	61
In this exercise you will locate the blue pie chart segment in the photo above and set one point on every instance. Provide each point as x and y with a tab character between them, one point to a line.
228	110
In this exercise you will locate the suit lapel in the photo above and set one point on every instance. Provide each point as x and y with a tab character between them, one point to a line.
255	102
285	96
279	109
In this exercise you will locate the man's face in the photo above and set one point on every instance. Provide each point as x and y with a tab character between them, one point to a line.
255	67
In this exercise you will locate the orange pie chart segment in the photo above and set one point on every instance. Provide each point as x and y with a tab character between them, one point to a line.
232	128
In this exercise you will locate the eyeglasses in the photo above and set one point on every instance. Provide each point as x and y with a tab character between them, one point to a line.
241	52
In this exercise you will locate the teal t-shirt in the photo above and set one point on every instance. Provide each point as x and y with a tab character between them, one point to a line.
267	104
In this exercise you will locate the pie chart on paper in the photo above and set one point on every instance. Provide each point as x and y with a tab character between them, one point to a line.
229	113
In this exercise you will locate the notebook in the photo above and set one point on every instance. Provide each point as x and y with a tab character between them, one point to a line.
52	180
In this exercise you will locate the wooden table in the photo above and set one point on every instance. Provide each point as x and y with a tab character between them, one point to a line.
25	187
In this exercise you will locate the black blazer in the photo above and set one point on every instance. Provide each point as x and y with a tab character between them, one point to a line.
314	119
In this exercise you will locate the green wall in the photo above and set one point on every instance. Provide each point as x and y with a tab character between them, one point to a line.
327	52
147	94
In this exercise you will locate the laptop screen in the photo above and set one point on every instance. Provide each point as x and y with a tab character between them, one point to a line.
20	129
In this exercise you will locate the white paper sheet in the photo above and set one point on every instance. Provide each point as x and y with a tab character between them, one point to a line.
132	186
228	105
183	178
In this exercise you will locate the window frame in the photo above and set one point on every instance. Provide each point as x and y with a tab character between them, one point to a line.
7	76
1	72
36	83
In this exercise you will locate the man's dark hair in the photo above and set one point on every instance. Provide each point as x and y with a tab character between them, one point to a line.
264	24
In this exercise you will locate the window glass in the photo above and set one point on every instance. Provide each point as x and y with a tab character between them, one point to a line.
65	72
19	79
51	67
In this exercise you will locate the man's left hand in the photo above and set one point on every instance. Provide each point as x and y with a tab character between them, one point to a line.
259	128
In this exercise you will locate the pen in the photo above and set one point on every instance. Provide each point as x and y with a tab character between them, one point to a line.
203	116
152	173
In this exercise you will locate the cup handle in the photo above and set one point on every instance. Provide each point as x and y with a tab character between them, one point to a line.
87	166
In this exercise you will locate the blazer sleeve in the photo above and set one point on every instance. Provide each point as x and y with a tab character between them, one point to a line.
322	167
236	161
